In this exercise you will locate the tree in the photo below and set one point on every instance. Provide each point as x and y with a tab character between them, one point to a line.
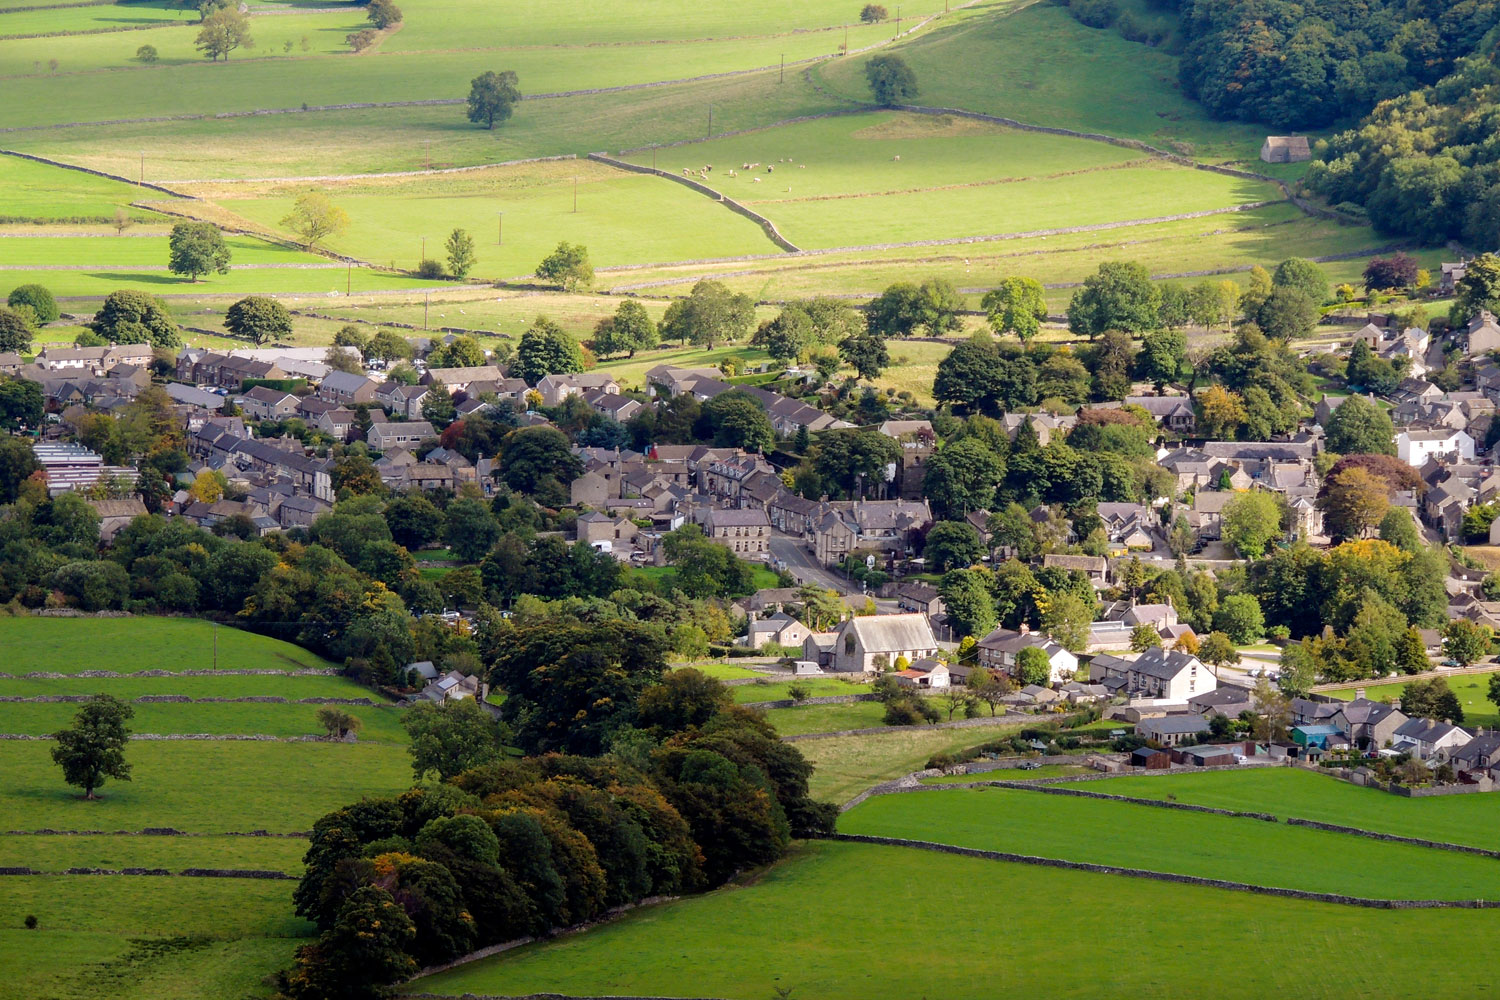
962	477
196	249
1358	426
1067	618
388	346
1411	652
971	609
904	308
709	314
1218	650
93	749
222	32
872	13
1353	500
891	81
1494	689
703	568
361	39
738	420
382	14
989	687
1288	312
539	462
1479	289
341	360
1018	306
1118	296
865	352
450	738
146	53
470	529
1396	271
336	722
1033	667
438	407
1239	617
1143	637
952	545
493	97
15	332
1432	699
364	950
1251	520
567	266
546	349
1301	275
21	405
460	245
258	318
1466	642
354	475
39	298
851	461
1162	355
464	351
315	218
131	317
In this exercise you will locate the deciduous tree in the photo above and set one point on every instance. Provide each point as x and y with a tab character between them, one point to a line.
1018	306
258	318
315	218
493	97
891	80
222	32
93	748
460	245
450	738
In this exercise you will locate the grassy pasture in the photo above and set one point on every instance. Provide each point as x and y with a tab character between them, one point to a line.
234	931
1473	692
58	853
1460	819
954	177
203	787
328	282
826	718
739	943
266	78
722	671
621	217
844	766
817	687
379	723
133	251
116	17
126	645
1200	844
1012	774
1045	68
39	191
218	686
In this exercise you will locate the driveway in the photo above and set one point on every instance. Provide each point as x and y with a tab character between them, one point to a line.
790	551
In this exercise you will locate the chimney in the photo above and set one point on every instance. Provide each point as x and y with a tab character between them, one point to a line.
1359	694
1025	629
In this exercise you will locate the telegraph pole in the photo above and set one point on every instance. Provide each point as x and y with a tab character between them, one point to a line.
141	180
216	645
783	69
898	20
500	230
349	278
710	120
575	195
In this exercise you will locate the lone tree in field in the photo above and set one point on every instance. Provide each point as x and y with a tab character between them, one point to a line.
1017	306
336	722
94	748
197	248
39	298
382	14
891	80
460	247
146	53
259	319
492	97
871	13
568	266
224	31
314	218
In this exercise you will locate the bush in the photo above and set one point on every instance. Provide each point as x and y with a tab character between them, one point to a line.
361	40
30	921
940	762
1095	13
146	53
909	712
431	269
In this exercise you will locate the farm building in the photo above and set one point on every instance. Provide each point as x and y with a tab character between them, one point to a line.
1151	758
1170	730
1285	149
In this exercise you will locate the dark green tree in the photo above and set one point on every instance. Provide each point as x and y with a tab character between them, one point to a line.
1118	296
546	349
891	80
567	266
493	97
93	748
258	318
451	738
39	298
197	248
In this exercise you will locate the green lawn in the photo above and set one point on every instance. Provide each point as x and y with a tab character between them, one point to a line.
127	645
1012	774
1473	692
324	283
230	933
723	671
826	718
823	925
132	251
380	723
101	18
1186	843
817	687
202	787
210	686
1460	819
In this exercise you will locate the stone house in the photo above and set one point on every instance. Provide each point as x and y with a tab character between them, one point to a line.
859	642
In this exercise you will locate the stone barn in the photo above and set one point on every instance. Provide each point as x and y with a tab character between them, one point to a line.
1285	149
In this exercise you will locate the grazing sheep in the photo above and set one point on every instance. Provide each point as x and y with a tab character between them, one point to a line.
744	166
801	166
686	172
755	180
896	158
770	169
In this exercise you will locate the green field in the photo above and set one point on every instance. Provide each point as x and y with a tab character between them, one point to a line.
379	723
844	766
817	687
1001	930
1012	774
826	718
134	251
58	853
127	645
1185	843
1461	819
144	937
723	671
1473	692
39	191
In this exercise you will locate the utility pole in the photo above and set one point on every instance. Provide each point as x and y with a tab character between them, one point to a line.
846	39
216	645
898	20
500	231
427	154
426	301
141	180
710	121
349	278
424	250
783	69
575	195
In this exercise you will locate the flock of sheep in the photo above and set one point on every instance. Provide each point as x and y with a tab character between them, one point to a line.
702	172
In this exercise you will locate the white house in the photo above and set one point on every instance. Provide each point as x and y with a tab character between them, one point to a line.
859	641
1000	648
1160	674
1415	447
1429	738
937	677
